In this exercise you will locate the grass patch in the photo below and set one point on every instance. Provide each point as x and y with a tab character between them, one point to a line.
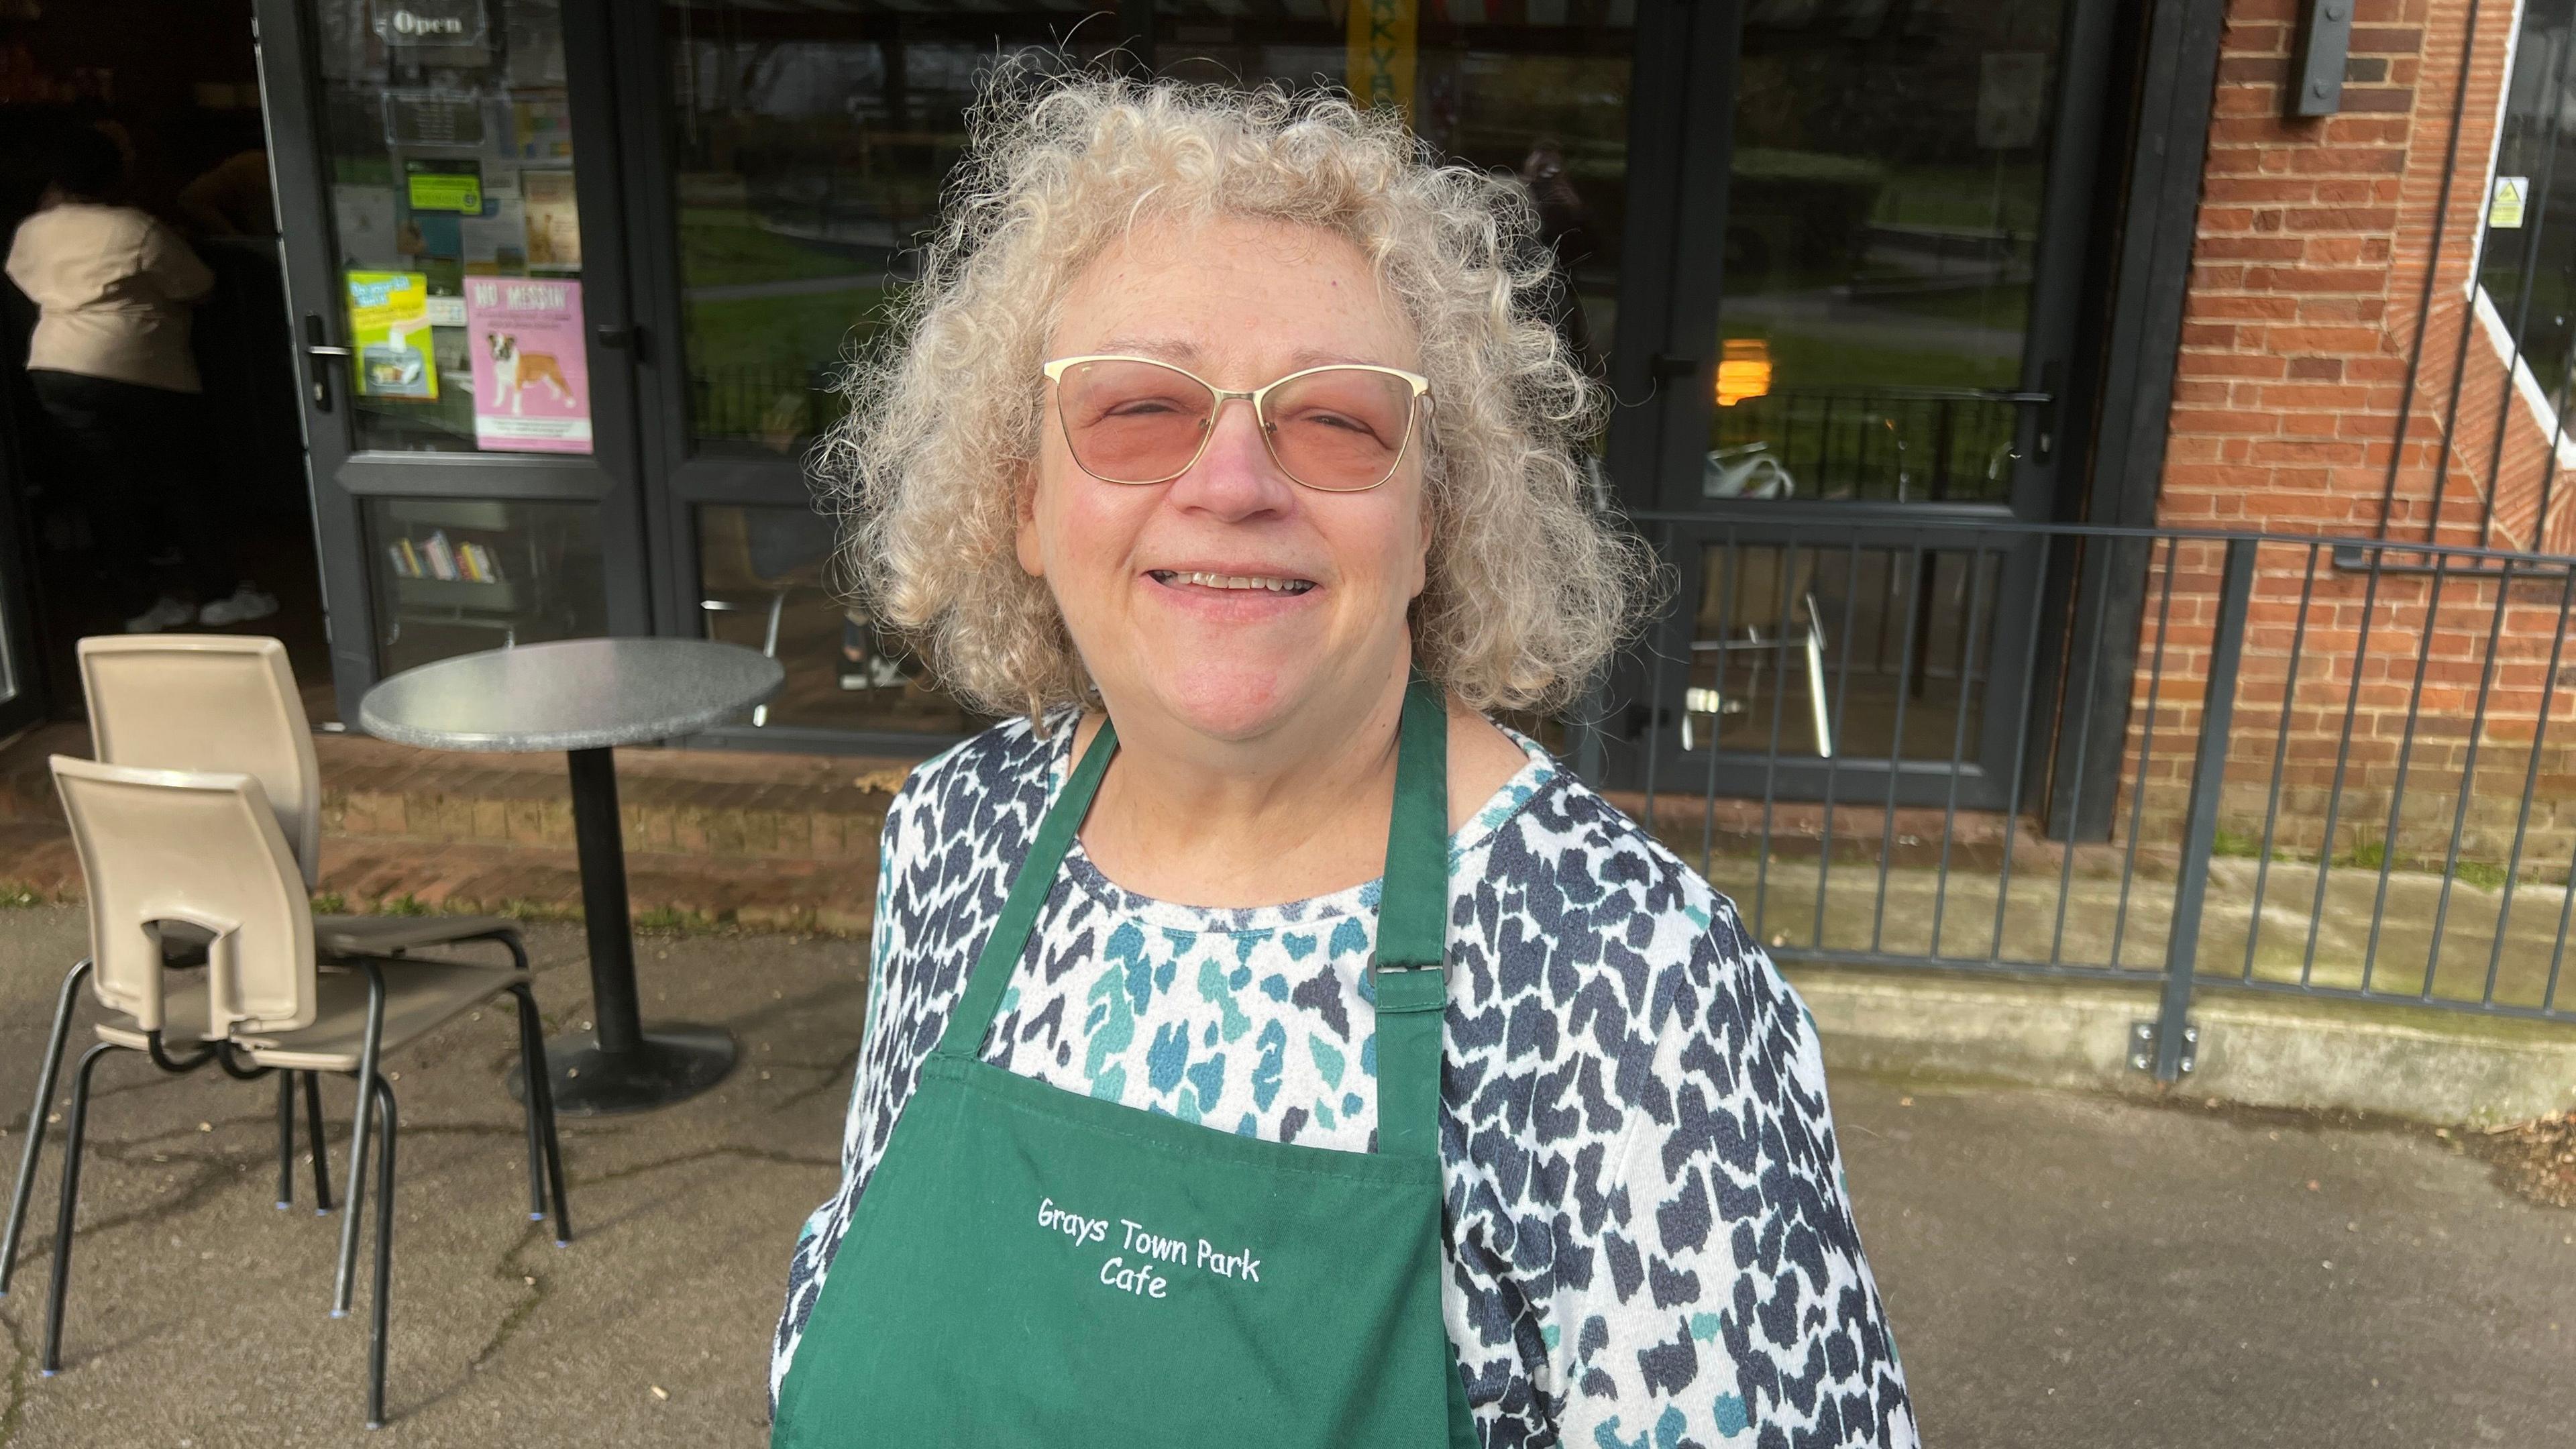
2480	874
672	921
2232	843
405	904
2369	855
16	897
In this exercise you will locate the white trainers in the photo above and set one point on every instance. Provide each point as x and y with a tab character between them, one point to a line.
245	604
165	614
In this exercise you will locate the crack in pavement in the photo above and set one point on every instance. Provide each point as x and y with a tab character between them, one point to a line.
13	1413
838	1071
508	1266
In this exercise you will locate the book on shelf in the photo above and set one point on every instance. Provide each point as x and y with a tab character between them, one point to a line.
442	558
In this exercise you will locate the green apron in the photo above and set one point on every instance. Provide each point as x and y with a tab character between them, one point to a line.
1031	1266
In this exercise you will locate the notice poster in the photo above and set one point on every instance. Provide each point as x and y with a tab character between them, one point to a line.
389	330
531	376
438	184
554	219
367	218
496	241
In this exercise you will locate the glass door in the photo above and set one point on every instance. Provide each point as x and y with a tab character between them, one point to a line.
795	155
460	303
1897	247
22	703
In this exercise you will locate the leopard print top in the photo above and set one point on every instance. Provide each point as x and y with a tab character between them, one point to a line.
1650	1245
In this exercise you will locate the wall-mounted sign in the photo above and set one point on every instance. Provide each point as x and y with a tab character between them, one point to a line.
429	22
2504	209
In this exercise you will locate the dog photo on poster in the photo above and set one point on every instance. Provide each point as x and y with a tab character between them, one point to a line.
531	378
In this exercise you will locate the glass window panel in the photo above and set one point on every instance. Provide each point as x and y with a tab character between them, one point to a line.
454	575
1880	653
1882	218
1539	92
447	131
765	583
2527	261
811	146
9	685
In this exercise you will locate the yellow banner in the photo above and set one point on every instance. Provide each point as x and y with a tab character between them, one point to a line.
1380	67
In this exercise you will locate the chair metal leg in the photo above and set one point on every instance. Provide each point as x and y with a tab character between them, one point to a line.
1816	684
285	1140
541	1106
383	1096
769	647
36	1122
321	1156
368	1051
532	1065
65	1211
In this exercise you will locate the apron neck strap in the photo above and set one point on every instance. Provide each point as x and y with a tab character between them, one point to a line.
973	1017
1409	983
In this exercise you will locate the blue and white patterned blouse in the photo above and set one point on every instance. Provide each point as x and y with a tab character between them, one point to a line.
1649	1242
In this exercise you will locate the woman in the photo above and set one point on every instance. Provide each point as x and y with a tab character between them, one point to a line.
111	365
1230	446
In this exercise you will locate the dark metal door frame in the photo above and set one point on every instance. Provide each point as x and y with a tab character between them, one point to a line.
1674	430
341	475
679	477
21	664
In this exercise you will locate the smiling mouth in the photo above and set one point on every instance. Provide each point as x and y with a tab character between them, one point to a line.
1249	583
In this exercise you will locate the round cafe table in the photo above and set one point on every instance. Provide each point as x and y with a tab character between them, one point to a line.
586	697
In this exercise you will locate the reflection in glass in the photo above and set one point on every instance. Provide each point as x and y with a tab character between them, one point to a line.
9	686
765	583
1882	215
1536	92
1857	653
448	135
811	145
456	575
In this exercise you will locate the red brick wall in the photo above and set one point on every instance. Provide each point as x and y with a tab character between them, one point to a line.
2307	300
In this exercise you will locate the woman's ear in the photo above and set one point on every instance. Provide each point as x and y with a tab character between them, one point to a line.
1024	493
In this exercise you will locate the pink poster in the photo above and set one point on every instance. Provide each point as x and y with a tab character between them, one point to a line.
531	376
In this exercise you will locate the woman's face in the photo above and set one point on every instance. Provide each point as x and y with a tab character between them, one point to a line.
1240	303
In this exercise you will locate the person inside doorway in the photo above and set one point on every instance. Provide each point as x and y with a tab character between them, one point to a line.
110	363
1262	1045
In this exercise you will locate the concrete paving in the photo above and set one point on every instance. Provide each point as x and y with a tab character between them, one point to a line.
2063	1269
2068	1270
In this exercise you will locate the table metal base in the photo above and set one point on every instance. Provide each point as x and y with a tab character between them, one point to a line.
674	1062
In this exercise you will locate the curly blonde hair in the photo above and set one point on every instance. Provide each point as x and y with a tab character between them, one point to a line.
1531	585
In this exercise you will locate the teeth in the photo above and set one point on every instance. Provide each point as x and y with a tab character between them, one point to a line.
1239	581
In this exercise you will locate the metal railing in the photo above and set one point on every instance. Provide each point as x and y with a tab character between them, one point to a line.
1882	443
773	406
2346	768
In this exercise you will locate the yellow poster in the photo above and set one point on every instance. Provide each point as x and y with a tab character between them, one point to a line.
389	330
1380	65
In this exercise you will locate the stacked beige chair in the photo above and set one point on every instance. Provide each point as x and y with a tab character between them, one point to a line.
190	865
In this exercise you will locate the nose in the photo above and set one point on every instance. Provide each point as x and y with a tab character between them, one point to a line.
1235	477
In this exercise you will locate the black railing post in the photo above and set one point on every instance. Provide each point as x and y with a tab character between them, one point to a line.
2200	818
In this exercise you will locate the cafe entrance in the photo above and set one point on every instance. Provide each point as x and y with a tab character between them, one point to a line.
573	280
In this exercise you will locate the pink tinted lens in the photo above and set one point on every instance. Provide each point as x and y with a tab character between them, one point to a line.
1339	428
1132	422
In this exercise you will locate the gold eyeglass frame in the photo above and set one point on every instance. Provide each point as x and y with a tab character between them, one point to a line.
1421	394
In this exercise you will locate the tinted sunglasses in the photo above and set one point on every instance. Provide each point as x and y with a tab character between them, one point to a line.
1342	428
